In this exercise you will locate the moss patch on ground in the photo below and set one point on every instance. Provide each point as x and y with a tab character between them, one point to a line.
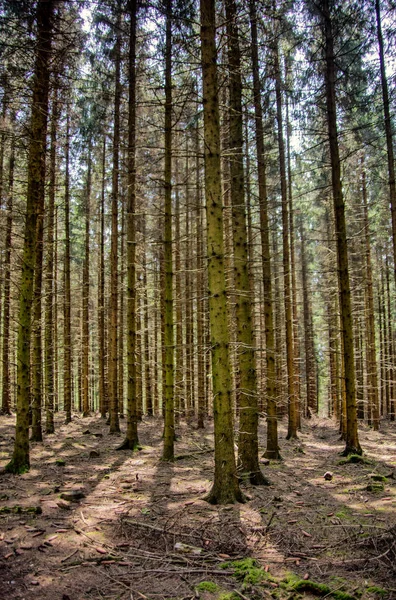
249	573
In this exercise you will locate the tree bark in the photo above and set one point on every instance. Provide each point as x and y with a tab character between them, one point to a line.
180	405
113	308
169	425
225	487
200	290
147	362
103	397
20	461
371	360
388	130
67	351
189	331
310	364
85	289
6	383
49	349
245	356
293	282
131	441
292	401
121	309
272	449
352	440
390	354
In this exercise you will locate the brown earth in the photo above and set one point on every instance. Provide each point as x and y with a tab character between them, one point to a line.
143	531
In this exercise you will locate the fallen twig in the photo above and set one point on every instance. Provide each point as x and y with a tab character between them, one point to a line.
69	556
353	561
161	529
184	571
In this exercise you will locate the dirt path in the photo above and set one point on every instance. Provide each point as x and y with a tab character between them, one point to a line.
142	530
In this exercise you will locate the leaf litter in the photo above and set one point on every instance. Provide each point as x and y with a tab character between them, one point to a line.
98	523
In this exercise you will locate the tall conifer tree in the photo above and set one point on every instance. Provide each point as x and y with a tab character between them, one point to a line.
225	487
20	460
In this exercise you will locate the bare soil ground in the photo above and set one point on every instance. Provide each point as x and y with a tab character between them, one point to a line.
143	531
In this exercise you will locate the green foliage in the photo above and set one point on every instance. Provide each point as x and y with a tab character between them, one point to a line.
377	477
207	586
35	510
249	572
228	596
343	513
354	459
290	579
373	589
338	595
60	462
320	589
375	487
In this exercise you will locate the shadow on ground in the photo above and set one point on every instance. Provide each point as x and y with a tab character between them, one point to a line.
143	529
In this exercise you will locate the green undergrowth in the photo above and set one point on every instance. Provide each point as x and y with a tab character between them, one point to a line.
207	586
249	572
379	592
251	575
35	510
354	459
378	477
375	487
344	513
321	590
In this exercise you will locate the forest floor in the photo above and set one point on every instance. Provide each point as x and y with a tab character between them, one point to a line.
142	531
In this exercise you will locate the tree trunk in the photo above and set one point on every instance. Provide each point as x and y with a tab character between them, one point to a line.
157	339
371	362
120	366
113	309
85	290
189	331
292	401
352	440
103	399
56	312
50	300
310	365
147	369
272	450
67	356
179	395
293	282
169	425
245	357
384	405
390	350
202	409
388	130
225	487
37	350
6	383
3	135
131	441
20	461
